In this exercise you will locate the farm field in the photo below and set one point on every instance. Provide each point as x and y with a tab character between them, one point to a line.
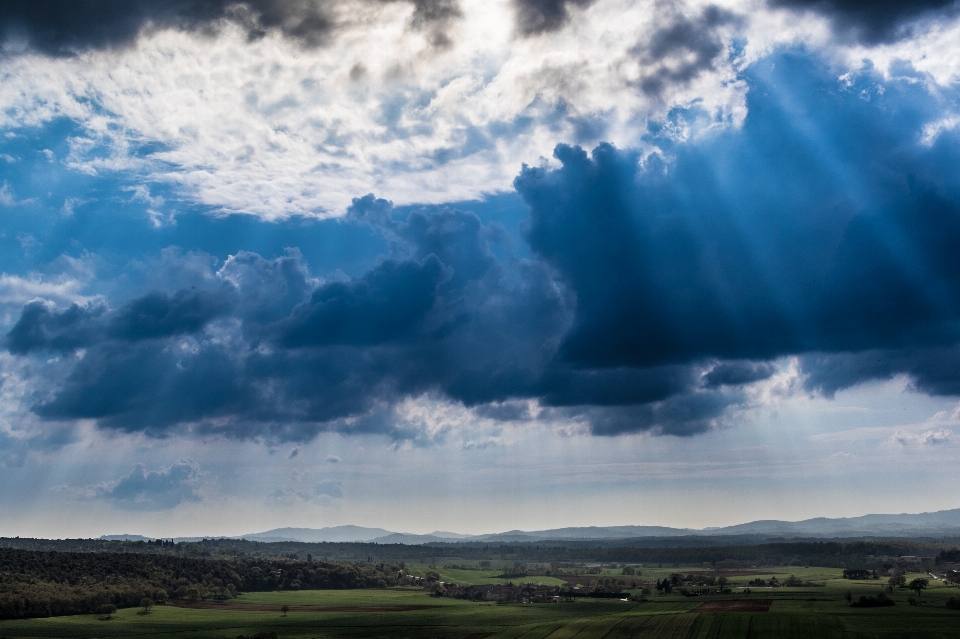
475	577
412	613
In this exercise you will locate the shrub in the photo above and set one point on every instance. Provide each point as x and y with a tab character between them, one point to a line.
879	601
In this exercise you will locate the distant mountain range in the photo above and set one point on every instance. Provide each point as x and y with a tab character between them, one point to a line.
940	523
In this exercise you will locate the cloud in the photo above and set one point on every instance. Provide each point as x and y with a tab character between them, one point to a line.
380	110
870	22
927	438
294	452
682	415
156	489
932	369
652	290
332	459
155	315
386	304
324	491
737	373
678	52
158	314
540	16
15	446
19	290
332	488
65	27
694	257
7	197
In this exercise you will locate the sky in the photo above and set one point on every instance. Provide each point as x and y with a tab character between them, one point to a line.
476	265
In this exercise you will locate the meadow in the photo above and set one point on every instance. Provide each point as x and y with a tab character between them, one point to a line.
819	611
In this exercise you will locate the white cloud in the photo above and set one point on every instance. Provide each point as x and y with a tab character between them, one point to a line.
322	493
15	290
160	489
271	129
267	128
926	438
6	195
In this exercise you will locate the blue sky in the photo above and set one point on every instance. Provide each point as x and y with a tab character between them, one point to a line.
475	266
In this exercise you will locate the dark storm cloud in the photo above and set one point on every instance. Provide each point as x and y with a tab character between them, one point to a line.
386	304
680	51
791	235
656	288
152	316
871	21
41	327
161	315
614	386
738	373
63	27
541	16
681	415
441	315
156	489
935	371
152	385
434	16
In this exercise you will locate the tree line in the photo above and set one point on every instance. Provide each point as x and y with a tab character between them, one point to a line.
47	583
855	554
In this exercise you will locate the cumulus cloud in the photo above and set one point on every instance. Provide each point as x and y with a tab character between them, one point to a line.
156	489
324	491
539	16
737	373
65	27
379	111
20	289
332	459
155	315
661	267
931	369
656	290
926	438
332	488
679	51
871	22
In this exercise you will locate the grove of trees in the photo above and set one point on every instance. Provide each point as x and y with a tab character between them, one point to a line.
43	584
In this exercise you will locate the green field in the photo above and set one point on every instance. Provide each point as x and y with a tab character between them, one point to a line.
474	577
795	612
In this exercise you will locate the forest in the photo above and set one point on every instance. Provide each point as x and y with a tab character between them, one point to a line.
58	577
828	553
49	583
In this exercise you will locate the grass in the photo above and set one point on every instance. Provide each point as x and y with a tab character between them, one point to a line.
477	577
796	612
